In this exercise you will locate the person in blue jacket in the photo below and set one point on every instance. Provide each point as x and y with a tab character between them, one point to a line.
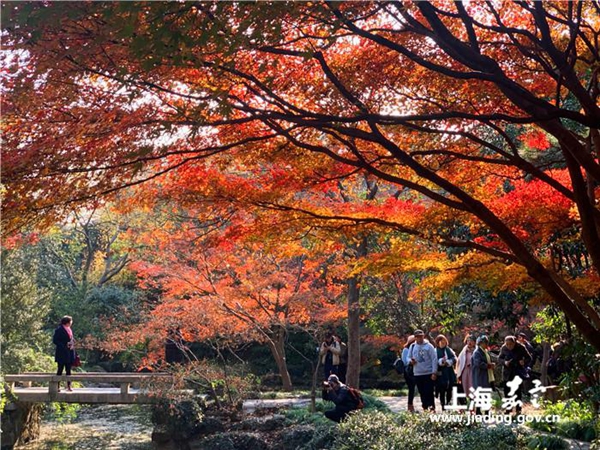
423	357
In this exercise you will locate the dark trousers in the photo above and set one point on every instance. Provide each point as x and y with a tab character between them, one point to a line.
342	369
426	390
60	371
445	393
336	415
411	383
63	366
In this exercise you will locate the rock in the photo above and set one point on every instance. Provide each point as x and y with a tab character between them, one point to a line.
208	426
271	423
161	434
247	441
179	418
296	437
218	442
170	445
20	423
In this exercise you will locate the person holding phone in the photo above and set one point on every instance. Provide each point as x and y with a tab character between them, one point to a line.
329	352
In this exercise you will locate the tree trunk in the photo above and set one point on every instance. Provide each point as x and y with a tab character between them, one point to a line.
353	374
277	346
353	298
313	387
545	358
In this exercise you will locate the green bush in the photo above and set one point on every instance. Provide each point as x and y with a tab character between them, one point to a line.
577	420
374	403
179	417
375	430
546	442
372	430
62	412
304	416
402	392
499	437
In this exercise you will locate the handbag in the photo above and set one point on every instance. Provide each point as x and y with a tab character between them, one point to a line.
76	361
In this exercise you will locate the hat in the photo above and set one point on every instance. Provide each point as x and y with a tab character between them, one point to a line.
523	335
333	378
483	338
418	333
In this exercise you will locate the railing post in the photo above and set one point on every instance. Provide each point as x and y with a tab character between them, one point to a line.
125	388
53	387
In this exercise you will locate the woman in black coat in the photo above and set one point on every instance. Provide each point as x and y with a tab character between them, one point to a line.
65	347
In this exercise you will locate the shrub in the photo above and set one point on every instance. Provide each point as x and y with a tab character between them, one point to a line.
304	416
180	418
308	437
499	437
374	403
62	412
373	429
546	442
577	420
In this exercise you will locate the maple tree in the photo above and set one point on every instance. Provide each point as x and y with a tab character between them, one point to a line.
216	288
458	103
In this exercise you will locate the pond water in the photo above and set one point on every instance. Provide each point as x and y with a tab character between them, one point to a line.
97	427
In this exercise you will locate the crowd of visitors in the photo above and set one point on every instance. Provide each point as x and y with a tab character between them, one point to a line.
436	370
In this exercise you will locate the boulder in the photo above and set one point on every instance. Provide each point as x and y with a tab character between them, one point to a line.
208	425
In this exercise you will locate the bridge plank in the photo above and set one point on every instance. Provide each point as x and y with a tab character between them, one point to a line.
125	393
84	395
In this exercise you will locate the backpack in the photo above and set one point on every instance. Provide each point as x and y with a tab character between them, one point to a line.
399	366
357	397
404	369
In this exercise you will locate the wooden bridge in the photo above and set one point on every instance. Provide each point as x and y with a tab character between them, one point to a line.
106	387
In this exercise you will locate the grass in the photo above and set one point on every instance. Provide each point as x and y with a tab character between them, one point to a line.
386	392
305	393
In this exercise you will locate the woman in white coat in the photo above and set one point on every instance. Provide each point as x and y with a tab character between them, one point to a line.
463	372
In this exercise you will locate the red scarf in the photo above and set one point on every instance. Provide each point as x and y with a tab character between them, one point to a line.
69	332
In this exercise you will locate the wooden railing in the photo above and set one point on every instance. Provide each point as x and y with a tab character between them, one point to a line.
125	381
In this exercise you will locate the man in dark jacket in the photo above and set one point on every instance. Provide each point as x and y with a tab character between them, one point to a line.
337	392
522	339
515	360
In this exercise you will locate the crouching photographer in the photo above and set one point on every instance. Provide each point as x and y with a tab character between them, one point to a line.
346	399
